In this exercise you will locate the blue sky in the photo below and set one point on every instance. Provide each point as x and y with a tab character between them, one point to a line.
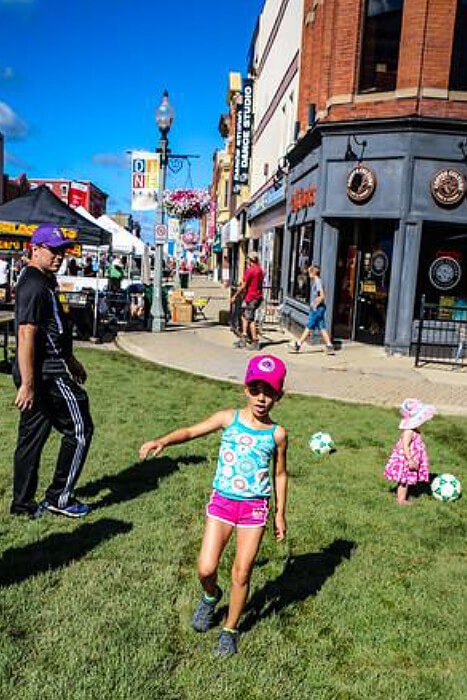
80	81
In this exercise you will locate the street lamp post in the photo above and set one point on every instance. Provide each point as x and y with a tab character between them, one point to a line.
164	119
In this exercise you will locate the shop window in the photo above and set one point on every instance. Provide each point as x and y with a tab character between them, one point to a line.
442	271
379	58
458	79
301	259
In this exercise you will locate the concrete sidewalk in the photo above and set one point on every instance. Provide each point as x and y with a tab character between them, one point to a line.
356	373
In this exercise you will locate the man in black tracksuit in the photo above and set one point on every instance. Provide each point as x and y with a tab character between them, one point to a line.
48	378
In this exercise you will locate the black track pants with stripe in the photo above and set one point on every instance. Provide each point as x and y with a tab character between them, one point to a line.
61	404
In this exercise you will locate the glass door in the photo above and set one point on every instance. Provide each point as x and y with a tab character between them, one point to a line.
346	275
375	243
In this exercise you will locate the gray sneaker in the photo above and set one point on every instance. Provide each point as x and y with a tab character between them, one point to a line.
228	643
240	343
330	350
203	617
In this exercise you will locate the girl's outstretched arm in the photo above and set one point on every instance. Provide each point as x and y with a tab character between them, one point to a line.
218	420
280	483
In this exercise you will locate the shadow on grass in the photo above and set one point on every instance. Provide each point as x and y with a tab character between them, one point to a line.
421	488
135	480
55	551
303	576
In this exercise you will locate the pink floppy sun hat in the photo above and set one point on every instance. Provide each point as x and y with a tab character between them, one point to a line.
414	413
267	368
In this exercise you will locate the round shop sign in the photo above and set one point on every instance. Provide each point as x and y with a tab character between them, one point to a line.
445	273
448	187
361	184
379	263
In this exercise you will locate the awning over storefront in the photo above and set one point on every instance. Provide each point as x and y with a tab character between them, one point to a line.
21	216
271	219
267	211
231	232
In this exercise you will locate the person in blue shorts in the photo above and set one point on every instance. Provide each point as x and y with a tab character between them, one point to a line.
317	315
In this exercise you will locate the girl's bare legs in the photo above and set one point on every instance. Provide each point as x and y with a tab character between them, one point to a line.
402	495
216	535
248	543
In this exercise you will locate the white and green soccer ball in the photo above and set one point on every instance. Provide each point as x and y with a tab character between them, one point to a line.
446	487
321	444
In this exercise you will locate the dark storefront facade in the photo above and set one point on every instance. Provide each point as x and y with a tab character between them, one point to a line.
381	206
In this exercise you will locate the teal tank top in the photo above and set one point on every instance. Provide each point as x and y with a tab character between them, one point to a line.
244	459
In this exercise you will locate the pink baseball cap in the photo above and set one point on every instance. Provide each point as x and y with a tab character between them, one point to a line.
266	368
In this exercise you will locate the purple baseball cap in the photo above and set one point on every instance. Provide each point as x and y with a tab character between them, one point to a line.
51	236
267	368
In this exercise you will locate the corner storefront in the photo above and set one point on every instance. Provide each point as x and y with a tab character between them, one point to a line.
381	206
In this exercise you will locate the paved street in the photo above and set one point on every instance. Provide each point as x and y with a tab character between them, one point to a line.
357	373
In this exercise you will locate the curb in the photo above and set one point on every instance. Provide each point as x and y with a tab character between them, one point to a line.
128	348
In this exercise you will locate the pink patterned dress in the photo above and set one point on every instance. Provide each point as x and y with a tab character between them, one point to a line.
397	468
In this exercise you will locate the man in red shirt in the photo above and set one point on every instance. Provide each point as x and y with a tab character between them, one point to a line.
252	287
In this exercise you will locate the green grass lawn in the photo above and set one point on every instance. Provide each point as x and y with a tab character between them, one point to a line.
365	600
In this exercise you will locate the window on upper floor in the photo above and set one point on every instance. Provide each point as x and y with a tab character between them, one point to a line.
379	58
458	79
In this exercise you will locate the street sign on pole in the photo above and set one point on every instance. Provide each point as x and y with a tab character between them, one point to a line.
160	231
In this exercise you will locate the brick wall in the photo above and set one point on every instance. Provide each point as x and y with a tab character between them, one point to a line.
332	36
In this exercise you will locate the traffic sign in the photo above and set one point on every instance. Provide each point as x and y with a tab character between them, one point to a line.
160	231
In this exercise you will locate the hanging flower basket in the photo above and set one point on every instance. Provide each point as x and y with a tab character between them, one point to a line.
190	238
187	204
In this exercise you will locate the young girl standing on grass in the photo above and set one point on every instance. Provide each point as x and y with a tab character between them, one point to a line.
408	463
241	491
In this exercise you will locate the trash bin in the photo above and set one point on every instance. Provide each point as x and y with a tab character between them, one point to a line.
184	279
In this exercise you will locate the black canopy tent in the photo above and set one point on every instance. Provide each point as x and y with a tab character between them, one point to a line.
20	217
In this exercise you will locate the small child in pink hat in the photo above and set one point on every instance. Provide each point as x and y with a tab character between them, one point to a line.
241	491
408	463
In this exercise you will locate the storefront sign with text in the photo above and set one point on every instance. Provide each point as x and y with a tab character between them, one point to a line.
303	198
10	227
448	187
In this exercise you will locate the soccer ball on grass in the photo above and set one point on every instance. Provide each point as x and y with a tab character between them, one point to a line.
446	487
321	444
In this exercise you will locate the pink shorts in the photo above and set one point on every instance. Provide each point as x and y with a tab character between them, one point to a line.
247	513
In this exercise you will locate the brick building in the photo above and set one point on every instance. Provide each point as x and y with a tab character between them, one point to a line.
76	193
377	180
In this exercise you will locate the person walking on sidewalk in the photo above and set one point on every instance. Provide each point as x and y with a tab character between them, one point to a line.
252	287
47	377
317	314
241	491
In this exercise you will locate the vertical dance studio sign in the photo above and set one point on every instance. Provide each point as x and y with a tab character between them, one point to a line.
243	137
145	171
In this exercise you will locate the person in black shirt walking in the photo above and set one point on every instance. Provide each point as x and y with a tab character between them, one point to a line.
48	379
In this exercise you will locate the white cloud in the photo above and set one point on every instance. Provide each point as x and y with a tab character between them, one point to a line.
12	126
11	159
112	160
7	73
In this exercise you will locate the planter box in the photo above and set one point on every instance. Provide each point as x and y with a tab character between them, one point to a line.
182	313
